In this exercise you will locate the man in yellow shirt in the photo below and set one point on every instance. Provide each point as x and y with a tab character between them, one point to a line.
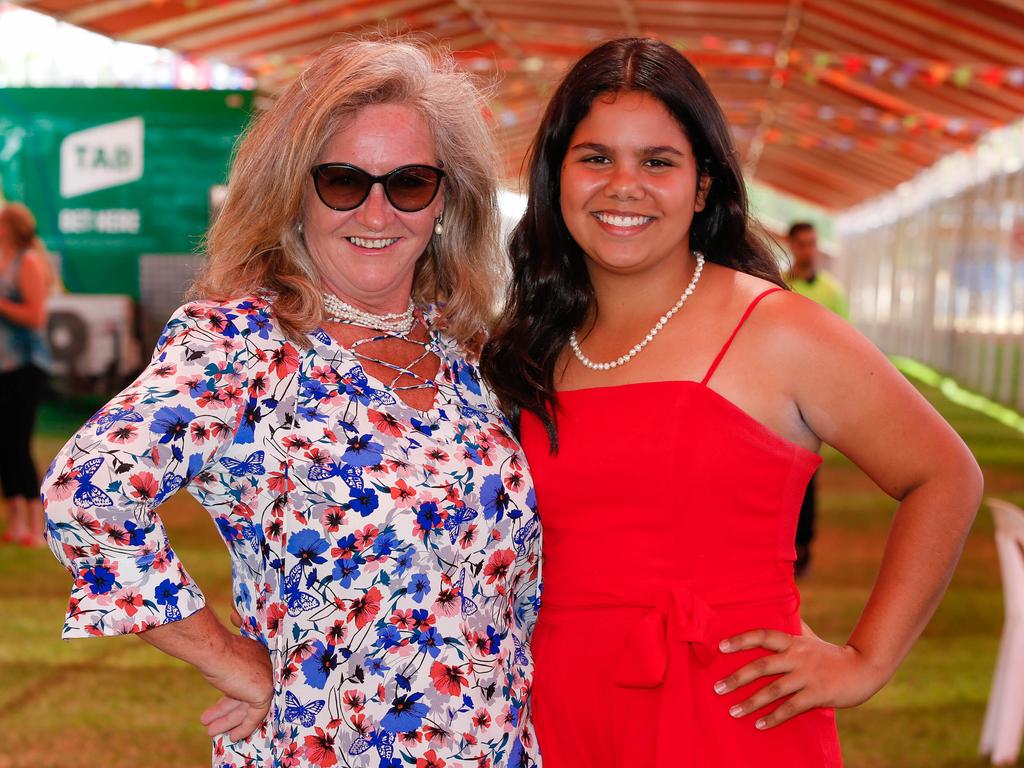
807	278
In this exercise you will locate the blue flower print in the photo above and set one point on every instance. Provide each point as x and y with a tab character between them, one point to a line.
171	422
376	666
363	500
405	715
419	587
318	667
345	570
100	580
308	546
363	451
429	641
494	497
167	593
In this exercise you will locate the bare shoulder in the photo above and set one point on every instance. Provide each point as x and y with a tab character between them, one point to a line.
797	330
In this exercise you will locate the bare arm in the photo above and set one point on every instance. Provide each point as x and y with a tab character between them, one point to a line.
237	666
853	399
32	284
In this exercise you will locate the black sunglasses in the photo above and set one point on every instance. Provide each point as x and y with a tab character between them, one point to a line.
345	187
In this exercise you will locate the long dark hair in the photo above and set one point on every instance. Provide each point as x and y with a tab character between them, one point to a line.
551	293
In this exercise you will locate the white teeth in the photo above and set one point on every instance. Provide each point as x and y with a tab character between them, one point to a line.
363	242
623	221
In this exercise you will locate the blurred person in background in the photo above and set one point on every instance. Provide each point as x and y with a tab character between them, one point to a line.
26	279
321	400
808	278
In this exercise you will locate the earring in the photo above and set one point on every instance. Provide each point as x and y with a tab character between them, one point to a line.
439	225
298	228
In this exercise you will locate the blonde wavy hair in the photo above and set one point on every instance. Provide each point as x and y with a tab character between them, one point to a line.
255	244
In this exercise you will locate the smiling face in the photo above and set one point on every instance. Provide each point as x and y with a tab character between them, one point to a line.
368	255
629	184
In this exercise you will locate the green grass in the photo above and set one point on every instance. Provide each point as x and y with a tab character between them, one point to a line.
116	702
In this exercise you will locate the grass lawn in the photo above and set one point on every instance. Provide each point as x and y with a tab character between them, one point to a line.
117	703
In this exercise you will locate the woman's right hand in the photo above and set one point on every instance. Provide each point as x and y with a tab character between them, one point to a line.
246	679
237	666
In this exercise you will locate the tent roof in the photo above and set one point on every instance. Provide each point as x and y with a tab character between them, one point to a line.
834	101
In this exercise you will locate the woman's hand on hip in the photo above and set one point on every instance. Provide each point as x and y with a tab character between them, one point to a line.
812	673
246	679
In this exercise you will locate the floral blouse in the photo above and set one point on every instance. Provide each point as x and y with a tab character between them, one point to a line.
387	557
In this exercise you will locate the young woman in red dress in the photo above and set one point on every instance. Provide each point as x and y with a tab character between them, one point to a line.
669	474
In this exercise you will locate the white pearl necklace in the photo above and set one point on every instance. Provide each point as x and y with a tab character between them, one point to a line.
339	311
575	344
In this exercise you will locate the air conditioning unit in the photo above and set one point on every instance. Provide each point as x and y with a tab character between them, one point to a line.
93	342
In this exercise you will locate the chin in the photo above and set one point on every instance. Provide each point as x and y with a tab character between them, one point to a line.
624	263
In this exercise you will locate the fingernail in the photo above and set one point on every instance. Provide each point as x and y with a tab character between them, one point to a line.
724	645
736	711
720	686
760	725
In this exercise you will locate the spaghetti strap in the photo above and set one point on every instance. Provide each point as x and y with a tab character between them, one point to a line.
725	347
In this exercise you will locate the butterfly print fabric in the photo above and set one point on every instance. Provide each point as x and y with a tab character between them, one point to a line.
388	558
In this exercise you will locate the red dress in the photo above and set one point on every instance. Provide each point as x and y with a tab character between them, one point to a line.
669	516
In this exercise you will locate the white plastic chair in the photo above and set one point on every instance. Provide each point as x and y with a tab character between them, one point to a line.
1004	716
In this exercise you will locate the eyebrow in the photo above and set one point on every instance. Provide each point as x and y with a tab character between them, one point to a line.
663	149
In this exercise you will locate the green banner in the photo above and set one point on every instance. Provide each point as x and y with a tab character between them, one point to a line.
114	173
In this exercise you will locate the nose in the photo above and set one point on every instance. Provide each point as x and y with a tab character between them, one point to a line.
623	183
376	211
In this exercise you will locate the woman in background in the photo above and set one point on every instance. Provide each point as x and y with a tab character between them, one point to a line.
26	279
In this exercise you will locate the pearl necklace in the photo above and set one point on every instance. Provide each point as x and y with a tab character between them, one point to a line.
575	344
339	311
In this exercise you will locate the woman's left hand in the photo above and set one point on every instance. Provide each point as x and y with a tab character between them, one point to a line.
814	673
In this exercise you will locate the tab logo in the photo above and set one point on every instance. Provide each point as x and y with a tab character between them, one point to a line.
102	157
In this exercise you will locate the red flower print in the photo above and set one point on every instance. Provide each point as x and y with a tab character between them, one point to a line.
367	536
436	454
513	481
385	423
62	488
200	432
232	395
403	619
292	756
430	760
284	360
279	482
447	602
124	433
320	749
403	493
258	384
503	438
145	485
482	719
275	615
365	609
436	733
129	600
498	565
448	678
337	633
332	518
359	724
354	700
294	443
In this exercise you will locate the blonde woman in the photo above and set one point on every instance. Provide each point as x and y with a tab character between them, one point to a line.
25	281
321	400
